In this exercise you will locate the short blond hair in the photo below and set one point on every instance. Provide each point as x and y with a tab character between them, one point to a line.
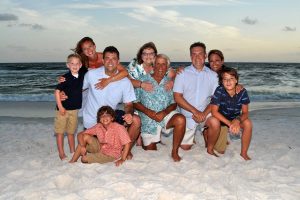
74	55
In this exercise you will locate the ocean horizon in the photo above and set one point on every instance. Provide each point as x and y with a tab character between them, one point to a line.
264	81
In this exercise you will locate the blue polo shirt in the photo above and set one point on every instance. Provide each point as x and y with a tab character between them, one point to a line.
73	89
229	107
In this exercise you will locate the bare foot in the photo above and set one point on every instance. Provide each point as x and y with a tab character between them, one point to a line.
212	153
129	156
175	156
245	156
221	152
63	156
150	147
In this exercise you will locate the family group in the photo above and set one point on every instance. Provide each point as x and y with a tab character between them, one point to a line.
158	101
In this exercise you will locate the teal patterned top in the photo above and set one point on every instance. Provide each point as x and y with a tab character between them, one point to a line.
157	100
135	70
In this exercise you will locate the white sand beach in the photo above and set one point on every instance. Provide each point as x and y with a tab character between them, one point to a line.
30	167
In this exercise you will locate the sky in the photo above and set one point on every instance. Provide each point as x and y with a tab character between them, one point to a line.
244	30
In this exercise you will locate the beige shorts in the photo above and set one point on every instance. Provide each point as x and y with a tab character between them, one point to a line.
94	155
221	144
189	135
150	138
66	123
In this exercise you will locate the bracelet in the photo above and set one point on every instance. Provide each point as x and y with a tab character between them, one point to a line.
141	84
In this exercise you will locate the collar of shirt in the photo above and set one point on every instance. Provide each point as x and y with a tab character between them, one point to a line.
193	69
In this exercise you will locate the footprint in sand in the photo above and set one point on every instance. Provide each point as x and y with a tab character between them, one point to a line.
63	181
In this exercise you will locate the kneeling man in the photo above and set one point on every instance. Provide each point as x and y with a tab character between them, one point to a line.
157	110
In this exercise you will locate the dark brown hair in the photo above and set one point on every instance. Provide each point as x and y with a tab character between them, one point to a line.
149	45
111	49
217	52
230	71
78	50
105	110
197	44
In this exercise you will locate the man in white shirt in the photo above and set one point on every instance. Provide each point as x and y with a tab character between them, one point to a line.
116	92
192	91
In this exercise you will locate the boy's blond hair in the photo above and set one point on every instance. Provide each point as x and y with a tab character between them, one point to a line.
74	55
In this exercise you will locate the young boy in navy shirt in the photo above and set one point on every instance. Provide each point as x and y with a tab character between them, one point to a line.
226	106
66	118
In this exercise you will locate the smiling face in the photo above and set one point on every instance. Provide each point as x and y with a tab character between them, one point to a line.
148	56
229	82
74	64
106	119
198	57
215	62
88	48
160	67
110	61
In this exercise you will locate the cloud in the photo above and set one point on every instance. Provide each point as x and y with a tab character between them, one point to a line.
8	17
154	3
249	21
28	12
173	19
288	29
37	27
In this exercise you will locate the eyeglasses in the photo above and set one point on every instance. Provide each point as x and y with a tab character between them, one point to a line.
148	54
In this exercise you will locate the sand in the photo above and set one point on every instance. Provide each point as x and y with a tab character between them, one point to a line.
30	167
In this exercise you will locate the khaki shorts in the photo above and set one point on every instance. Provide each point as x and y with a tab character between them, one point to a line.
94	155
221	144
66	123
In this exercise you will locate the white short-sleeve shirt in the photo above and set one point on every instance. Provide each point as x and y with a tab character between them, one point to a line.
197	88
114	93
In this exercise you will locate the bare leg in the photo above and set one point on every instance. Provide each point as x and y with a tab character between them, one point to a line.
139	141
178	123
71	142
76	155
213	132
205	137
133	131
151	146
246	138
186	147
83	139
60	145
